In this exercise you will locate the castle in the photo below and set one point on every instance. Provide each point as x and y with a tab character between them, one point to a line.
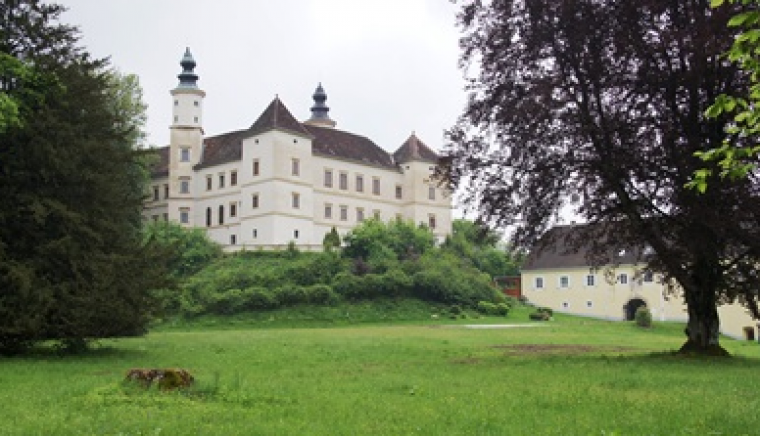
283	181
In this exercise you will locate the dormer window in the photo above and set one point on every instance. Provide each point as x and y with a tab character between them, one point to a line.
184	154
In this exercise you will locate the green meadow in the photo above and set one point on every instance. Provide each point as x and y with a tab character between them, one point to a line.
569	376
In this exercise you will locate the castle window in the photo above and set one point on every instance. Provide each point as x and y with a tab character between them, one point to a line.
589	303
195	119
176	119
176	102
359	183
296	167
184	215
328	178
255	167
221	214
233	210
155	193
431	193
295	234
623	279
590	280
221	180
376	186
209	183
166	216
166	191
399	192
344	213
343	181
196	103
376	214
296	200
208	217
431	221
233	178
564	282
184	186
359	215
539	282
648	276
255	233
255	201
328	210
233	239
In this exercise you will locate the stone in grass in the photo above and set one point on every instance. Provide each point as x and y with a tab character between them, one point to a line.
166	379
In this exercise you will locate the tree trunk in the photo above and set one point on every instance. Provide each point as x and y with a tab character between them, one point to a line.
703	328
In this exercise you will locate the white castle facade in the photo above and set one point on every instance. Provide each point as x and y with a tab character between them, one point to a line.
281	180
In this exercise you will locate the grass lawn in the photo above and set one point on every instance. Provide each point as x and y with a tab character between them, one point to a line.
569	376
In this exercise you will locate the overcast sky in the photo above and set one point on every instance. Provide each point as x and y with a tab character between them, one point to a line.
389	67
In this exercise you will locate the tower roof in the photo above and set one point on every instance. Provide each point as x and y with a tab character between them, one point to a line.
277	116
414	149
319	112
187	78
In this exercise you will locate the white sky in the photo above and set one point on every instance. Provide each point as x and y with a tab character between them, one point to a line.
389	67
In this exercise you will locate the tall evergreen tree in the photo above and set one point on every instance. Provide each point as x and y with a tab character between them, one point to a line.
72	263
604	102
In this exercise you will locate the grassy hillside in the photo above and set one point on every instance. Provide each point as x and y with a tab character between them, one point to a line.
570	376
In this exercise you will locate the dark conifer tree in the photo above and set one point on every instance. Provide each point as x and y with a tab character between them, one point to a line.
72	263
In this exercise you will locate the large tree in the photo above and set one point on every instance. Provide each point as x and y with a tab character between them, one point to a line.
599	105
73	265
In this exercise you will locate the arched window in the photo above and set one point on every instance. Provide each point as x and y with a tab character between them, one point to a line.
221	215
208	217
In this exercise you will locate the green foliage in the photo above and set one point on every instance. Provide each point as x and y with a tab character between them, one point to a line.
479	245
402	238
187	251
643	317
735	161
73	263
497	309
331	241
541	314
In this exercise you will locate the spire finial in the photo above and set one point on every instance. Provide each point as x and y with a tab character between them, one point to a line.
188	78
319	112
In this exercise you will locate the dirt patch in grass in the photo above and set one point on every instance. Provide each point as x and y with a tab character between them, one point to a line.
563	349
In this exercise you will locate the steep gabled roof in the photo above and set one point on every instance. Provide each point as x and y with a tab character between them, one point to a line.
160	168
326	141
414	149
331	142
277	117
222	149
564	247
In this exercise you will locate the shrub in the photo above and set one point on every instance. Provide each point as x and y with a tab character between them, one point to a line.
539	316
455	310
321	294
501	309
258	298
547	310
643	317
486	307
